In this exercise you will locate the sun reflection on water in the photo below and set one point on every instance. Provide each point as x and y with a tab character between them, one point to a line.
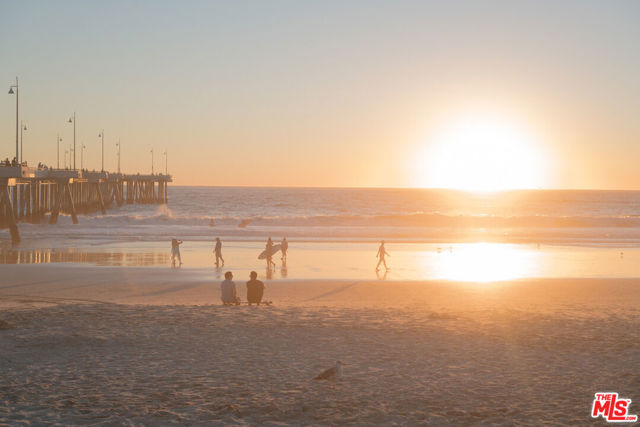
482	262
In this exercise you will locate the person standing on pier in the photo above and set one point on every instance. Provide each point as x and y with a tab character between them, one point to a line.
175	251
218	252
284	245
382	252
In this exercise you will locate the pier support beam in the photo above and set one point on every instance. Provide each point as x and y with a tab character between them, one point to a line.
5	203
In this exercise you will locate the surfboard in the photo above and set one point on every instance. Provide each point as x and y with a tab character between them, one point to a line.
275	249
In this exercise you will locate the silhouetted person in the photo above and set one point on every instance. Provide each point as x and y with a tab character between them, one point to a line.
284	245
228	290
255	289
381	254
175	251
269	249
218	252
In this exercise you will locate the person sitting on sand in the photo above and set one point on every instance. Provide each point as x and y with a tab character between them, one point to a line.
283	247
175	251
255	289
228	290
218	252
381	254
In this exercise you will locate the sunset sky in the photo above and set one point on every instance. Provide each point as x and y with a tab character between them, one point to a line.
324	93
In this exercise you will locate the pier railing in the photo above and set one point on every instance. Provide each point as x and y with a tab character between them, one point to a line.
36	195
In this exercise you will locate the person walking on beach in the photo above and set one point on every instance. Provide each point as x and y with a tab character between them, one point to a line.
284	245
381	254
218	252
255	289
269	249
228	292
175	251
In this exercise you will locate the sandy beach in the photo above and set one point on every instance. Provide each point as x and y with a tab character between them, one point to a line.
144	346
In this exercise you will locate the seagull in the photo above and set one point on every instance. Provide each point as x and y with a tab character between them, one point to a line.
331	373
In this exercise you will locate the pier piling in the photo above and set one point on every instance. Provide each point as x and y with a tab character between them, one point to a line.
28	195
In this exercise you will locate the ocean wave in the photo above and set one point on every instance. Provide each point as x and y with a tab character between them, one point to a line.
399	220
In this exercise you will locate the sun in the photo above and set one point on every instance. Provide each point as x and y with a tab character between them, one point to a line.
482	154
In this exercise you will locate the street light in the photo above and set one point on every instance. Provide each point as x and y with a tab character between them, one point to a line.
65	158
17	119
101	135
82	147
118	145
22	127
58	152
166	162
152	161
73	120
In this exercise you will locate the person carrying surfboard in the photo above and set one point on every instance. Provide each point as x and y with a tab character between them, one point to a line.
381	254
269	250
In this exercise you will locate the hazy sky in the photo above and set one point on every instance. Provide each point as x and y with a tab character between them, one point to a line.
323	93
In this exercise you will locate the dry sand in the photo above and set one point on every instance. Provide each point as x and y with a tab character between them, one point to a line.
92	345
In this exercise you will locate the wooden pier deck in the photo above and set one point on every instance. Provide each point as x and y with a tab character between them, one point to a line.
36	195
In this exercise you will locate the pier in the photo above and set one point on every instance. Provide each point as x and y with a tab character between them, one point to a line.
37	195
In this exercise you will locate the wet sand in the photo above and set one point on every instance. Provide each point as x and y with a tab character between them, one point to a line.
105	345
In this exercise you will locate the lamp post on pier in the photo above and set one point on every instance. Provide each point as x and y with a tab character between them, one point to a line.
73	120
101	135
58	152
16	86
82	147
22	127
118	145
65	158
151	161
166	162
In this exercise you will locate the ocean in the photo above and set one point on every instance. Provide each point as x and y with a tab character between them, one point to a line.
561	233
363	214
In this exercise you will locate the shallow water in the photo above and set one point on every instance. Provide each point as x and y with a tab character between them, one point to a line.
478	262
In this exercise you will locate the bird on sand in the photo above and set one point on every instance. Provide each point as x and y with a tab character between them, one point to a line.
331	373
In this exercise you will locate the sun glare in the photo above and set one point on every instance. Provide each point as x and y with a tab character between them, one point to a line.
482	155
484	262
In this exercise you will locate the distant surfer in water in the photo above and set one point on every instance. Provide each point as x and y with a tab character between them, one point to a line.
269	249
283	247
175	251
218	252
382	252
